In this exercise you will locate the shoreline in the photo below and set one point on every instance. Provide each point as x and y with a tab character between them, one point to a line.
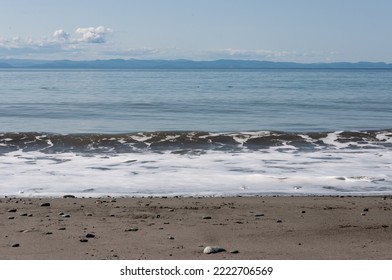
247	227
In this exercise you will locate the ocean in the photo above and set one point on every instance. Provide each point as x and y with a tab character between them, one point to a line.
195	132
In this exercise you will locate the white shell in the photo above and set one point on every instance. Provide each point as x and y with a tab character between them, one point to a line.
213	250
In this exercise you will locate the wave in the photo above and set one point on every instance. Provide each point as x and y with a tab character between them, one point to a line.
191	140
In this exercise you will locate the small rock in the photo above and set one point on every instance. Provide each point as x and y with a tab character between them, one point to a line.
303	212
234	252
171	237
66	216
83	240
61	213
132	229
13	210
259	215
11	218
14	245
89	215
279	221
62	228
48	233
45	204
363	214
207	218
213	250
366	210
23	214
68	196
90	235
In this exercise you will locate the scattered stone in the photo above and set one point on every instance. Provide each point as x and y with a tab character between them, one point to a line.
14	245
279	221
363	214
171	210
11	218
13	210
213	250
303	212
61	213
259	215
207	218
45	204
89	215
23	214
385	226
366	210
48	233
171	237
234	252
69	196
90	235
83	240
62	228
30	215
132	229
66	216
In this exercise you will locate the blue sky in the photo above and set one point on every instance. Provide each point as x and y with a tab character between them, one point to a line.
275	30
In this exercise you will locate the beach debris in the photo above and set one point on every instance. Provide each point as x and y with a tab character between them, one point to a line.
213	250
45	204
14	245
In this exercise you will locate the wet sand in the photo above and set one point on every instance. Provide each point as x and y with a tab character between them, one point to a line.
180	228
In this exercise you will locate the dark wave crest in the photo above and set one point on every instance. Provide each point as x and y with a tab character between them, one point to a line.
173	141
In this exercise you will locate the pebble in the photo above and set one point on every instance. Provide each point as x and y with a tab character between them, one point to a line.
171	237
207	218
66	216
279	221
259	215
83	240
213	250
366	210
68	196
14	245
23	214
13	210
234	252
132	229
62	228
11	218
90	235
45	204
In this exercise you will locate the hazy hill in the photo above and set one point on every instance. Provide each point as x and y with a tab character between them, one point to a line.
186	64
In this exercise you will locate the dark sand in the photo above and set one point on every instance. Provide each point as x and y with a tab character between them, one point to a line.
179	228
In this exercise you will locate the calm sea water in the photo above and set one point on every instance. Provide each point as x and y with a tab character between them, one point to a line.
195	132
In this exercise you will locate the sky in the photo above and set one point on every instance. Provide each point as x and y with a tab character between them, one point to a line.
274	30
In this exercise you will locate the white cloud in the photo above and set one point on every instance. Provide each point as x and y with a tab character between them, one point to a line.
96	35
61	35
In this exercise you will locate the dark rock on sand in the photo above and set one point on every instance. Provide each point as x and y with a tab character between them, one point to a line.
45	204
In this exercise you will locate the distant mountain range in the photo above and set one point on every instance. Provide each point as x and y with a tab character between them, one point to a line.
184	64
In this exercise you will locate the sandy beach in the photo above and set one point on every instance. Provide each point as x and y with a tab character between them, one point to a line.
180	228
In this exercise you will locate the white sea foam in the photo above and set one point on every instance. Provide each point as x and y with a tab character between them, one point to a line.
276	170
